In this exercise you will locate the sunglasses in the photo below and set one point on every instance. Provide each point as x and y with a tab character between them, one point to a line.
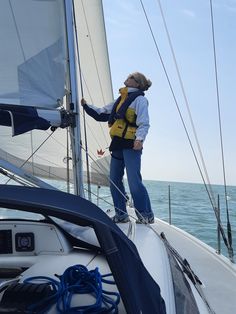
133	78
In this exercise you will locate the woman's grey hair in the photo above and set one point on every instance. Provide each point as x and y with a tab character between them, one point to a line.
141	79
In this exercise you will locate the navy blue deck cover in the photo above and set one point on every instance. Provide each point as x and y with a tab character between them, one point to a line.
139	292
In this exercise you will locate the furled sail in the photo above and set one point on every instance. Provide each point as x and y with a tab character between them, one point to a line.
34	73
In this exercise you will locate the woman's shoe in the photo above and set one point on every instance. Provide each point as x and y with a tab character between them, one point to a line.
118	219
145	221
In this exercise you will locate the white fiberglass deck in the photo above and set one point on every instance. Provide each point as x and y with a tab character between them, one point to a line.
216	272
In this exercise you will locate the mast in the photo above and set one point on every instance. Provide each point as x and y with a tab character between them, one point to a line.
74	101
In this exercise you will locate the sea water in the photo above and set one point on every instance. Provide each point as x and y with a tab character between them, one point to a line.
191	209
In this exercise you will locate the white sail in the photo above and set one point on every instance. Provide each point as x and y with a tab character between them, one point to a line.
33	52
96	85
33	71
48	162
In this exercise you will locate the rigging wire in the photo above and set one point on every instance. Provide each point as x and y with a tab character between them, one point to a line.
17	31
230	248
92	101
121	193
94	136
82	91
13	177
111	182
24	58
33	153
208	188
175	100
108	177
186	103
82	95
49	172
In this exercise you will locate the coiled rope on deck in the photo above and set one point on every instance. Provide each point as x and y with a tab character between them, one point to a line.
77	280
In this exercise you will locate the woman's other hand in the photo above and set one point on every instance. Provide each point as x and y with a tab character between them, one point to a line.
138	145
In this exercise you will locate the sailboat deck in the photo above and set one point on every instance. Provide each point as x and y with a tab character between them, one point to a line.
212	269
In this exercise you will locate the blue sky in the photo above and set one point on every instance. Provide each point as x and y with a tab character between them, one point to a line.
167	154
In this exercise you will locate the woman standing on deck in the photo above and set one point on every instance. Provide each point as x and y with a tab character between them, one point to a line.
128	120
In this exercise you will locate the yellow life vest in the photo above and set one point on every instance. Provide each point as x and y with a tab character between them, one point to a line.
124	128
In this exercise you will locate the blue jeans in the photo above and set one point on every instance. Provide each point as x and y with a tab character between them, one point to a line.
130	160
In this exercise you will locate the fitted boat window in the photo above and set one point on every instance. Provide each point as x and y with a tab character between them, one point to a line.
6	213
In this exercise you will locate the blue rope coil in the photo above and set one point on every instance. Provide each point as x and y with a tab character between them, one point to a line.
77	280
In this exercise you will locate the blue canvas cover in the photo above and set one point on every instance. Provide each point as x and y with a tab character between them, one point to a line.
22	119
122	256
